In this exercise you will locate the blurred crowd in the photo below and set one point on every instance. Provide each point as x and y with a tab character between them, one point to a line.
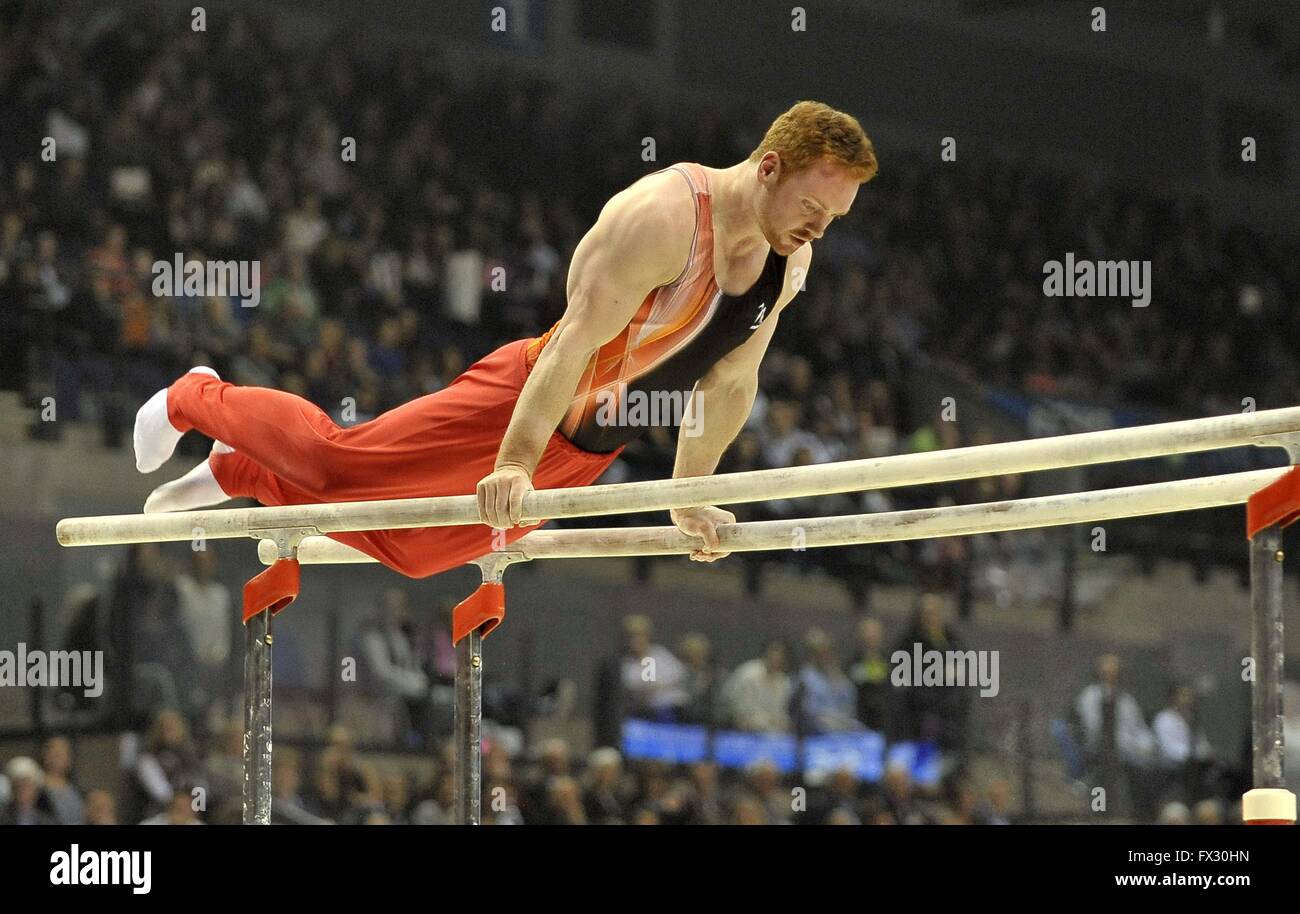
1159	767
406	224
168	634
1166	772
169	778
173	690
172	694
817	689
448	231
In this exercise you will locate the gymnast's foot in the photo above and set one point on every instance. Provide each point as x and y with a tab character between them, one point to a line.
155	436
196	489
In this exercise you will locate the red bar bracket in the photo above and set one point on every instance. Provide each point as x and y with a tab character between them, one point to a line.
273	589
485	608
1276	503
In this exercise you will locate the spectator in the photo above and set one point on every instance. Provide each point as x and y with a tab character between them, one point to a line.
504	809
1116	741
391	668
345	788
605	801
701	683
305	228
213	330
438	803
644	680
101	809
554	760
763	783
897	800
1175	813
840	803
563	803
27	805
154	663
936	715
224	766
827	698
1182	752
61	793
396	797
643	815
257	363
288	806
962	803
747	810
706	805
287	803
167	762
757	694
178	811
869	672
784	437
997	805
206	613
1209	812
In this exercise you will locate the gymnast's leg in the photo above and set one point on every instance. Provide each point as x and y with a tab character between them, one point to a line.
198	488
290	436
441	443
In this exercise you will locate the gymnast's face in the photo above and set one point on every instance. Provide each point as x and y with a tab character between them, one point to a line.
794	209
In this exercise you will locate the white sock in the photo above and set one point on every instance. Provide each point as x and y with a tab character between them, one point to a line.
196	489
155	436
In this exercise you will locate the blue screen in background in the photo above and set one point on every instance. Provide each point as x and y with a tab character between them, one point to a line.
676	743
737	750
864	752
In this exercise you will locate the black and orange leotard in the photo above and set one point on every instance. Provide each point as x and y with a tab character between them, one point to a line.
675	337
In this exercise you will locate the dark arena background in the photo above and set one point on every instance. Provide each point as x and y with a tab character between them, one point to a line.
1084	219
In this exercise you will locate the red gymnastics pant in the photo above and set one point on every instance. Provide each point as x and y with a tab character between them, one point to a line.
289	452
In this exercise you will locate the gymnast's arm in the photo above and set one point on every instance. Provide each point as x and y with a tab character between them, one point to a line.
641	241
719	406
723	399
